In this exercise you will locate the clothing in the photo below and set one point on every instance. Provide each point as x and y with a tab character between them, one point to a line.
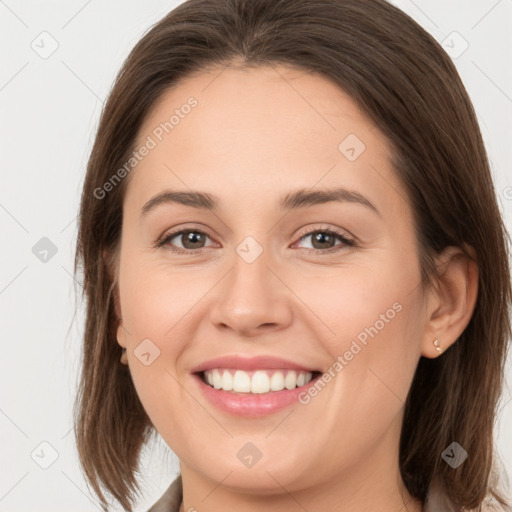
170	501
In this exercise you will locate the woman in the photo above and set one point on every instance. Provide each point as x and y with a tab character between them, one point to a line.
295	267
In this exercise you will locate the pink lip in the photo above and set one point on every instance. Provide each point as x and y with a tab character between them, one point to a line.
251	405
250	363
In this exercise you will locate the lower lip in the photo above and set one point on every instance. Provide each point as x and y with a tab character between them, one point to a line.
252	404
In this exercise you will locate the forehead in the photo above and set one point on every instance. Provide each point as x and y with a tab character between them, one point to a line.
260	129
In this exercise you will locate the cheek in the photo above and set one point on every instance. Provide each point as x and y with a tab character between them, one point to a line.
155	300
373	301
374	319
154	305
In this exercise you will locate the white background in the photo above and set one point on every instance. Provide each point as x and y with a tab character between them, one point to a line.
49	112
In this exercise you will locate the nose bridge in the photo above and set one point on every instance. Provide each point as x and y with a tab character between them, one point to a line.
251	274
251	296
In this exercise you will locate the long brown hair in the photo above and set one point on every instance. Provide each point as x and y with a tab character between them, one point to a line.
402	79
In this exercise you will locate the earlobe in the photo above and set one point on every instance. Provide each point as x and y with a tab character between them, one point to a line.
124	357
451	302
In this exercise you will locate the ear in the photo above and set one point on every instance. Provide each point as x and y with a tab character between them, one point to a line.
451	301
110	259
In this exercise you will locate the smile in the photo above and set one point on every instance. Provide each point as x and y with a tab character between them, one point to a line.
253	386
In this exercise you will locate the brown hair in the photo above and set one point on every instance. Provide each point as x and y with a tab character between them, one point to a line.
403	80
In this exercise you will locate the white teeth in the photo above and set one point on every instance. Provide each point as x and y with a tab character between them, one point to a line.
277	381
241	382
227	381
259	381
217	380
290	381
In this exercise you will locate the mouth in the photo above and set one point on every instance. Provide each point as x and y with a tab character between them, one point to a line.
255	386
256	382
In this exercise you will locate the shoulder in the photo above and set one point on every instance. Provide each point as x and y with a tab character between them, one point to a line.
170	500
437	501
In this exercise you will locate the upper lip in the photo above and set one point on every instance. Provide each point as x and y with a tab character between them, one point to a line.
250	363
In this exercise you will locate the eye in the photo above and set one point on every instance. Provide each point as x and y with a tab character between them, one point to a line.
193	241
324	240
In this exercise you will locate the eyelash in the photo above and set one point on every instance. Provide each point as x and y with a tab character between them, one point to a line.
346	242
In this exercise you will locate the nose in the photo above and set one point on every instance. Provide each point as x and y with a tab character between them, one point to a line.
251	299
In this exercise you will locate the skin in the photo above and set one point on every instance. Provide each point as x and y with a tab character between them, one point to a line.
254	136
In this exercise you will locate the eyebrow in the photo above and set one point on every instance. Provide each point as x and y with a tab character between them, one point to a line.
294	200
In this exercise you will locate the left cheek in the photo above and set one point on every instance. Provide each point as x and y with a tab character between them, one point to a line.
374	330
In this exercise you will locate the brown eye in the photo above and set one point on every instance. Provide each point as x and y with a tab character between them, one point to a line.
325	240
192	239
189	241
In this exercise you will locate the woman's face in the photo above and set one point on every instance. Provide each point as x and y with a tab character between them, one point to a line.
268	273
